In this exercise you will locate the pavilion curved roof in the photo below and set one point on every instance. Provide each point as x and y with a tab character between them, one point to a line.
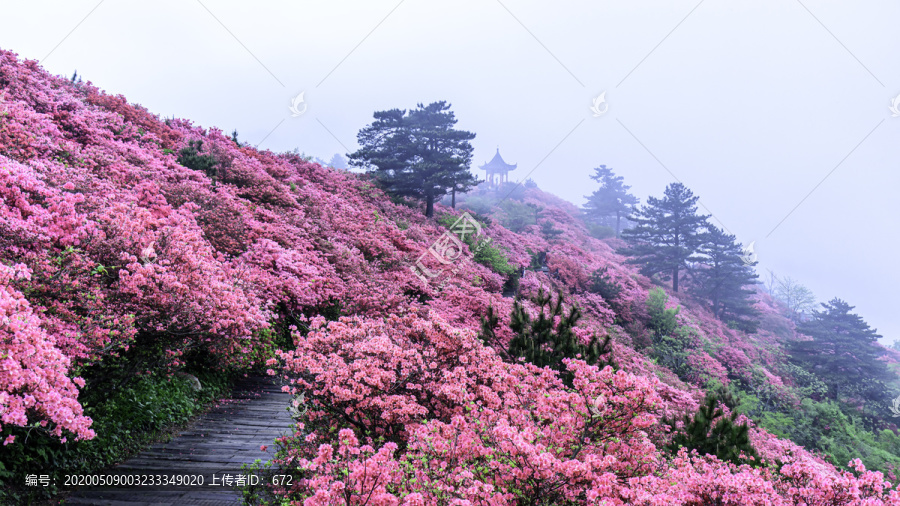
497	164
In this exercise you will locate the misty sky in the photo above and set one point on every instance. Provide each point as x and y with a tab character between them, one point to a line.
752	104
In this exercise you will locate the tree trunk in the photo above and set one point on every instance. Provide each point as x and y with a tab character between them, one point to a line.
429	205
618	218
453	198
675	269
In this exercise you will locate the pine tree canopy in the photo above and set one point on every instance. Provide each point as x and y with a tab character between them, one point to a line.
711	433
611	200
724	279
548	338
843	352
666	235
417	153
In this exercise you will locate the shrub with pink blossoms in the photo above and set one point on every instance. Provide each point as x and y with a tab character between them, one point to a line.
455	420
34	386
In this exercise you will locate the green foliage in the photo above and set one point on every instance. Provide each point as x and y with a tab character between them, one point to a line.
543	343
671	342
806	383
550	232
483	251
517	216
711	433
191	157
823	426
671	350
493	258
666	235
662	322
125	420
609	203
602	284
417	153
600	231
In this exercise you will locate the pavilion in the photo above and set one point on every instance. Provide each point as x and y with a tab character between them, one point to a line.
497	170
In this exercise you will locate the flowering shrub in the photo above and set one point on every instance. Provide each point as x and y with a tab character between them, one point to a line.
33	372
468	425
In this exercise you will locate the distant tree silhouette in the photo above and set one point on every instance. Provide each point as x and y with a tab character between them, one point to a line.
611	199
723	279
666	235
550	232
843	352
798	299
417	153
338	162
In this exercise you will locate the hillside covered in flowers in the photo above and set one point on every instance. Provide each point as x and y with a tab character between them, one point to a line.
117	259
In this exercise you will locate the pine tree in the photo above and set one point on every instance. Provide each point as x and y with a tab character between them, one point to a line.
843	352
725	439
724	278
543	343
417	153
550	232
611	199
603	285
190	156
666	235
338	162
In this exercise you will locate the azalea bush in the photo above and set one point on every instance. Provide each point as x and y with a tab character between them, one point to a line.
412	408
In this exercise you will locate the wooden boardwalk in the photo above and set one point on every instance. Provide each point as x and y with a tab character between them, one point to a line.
227	436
